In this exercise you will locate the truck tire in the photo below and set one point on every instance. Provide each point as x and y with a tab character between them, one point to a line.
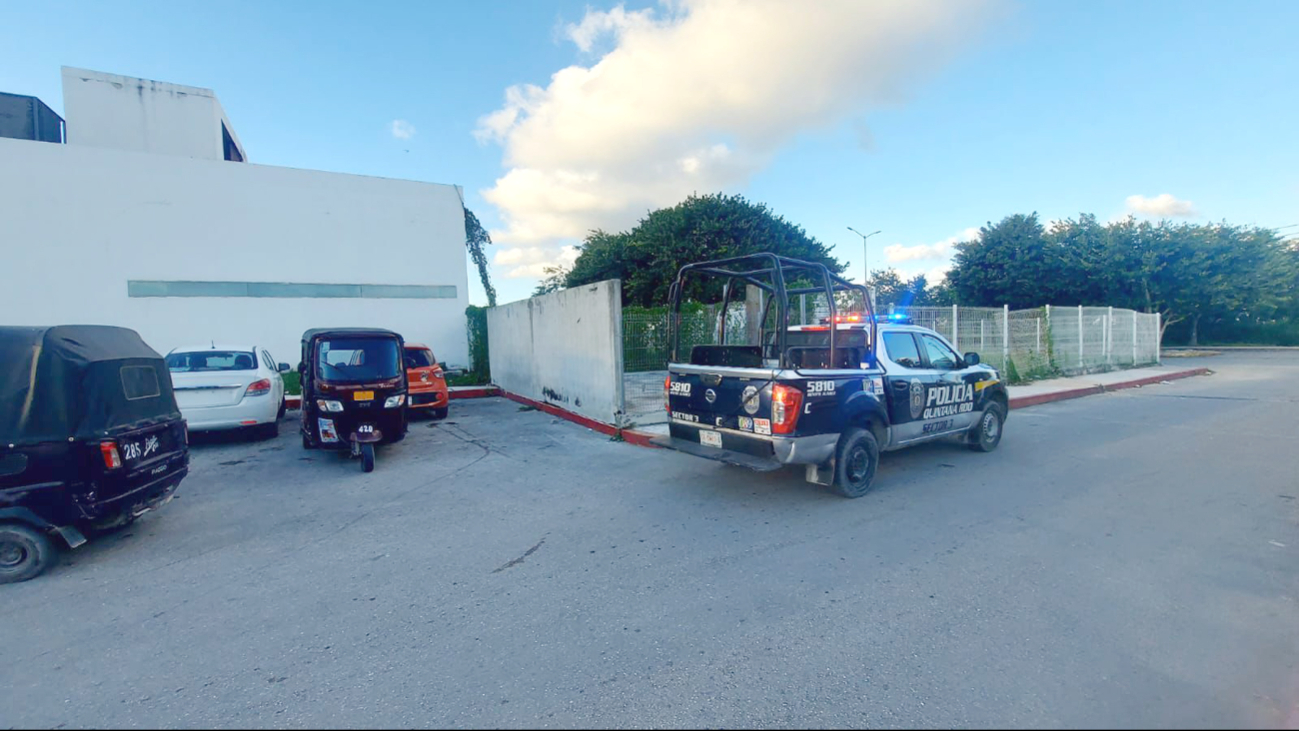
855	460
986	434
440	414
25	552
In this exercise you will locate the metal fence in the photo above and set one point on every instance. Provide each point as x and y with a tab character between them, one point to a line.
1047	341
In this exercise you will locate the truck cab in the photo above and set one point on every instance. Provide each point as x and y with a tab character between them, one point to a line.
830	395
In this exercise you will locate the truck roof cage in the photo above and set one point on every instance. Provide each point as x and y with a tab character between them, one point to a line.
772	273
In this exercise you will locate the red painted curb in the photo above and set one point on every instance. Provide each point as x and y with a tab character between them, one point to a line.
640	439
1043	398
553	410
474	392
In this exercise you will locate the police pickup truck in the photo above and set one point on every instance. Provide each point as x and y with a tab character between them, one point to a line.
830	396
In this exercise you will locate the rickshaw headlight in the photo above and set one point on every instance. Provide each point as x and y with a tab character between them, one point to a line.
394	401
325	404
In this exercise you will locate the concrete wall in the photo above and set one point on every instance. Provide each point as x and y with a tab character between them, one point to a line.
78	223
125	113
563	348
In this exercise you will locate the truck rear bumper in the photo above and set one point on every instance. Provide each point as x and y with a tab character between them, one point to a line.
755	451
729	456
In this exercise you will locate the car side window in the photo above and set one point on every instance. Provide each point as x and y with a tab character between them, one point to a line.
901	349
940	356
268	361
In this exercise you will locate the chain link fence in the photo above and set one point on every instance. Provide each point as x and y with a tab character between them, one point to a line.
1048	341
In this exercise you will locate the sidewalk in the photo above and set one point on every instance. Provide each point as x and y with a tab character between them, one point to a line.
1059	389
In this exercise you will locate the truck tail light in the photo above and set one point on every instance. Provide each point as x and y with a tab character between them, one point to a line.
259	388
667	400
786	403
112	459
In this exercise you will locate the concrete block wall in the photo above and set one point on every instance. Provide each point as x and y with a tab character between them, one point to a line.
563	348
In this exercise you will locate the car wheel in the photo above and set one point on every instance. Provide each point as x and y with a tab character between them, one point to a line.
855	460
24	552
269	430
441	413
987	431
283	408
367	458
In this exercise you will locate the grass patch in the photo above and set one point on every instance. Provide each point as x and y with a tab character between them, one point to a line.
467	379
292	385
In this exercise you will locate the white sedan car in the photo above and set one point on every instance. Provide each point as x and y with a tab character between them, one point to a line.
228	387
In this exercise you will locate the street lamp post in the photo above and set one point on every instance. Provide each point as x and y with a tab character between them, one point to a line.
866	270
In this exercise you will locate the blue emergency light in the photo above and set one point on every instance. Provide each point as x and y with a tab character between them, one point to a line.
897	318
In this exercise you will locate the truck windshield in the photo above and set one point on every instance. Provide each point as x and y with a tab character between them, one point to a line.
357	359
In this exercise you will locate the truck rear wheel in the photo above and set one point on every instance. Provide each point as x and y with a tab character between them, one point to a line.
25	552
855	460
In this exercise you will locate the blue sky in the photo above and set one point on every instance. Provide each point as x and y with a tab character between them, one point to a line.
1055	107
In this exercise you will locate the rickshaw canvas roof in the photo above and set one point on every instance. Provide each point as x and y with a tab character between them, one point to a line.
65	381
359	331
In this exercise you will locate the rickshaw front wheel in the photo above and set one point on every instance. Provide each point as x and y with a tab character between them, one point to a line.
367	457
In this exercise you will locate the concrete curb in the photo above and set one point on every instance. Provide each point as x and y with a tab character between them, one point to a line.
1044	398
1231	348
459	392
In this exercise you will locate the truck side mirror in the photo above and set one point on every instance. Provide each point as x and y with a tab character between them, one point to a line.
971	359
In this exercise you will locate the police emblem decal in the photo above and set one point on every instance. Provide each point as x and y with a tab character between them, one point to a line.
917	398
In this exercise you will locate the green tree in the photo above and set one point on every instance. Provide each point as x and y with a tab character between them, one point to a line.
1012	263
476	237
648	257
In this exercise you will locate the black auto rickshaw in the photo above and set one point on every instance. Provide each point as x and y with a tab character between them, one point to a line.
353	390
90	438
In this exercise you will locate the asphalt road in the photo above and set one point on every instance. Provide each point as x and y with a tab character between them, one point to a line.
1122	560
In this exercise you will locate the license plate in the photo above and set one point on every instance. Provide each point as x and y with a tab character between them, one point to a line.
363	395
710	438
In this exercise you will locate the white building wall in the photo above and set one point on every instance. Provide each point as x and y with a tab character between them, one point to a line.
78	223
125	113
563	348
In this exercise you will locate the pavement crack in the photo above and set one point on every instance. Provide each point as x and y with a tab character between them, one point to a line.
519	560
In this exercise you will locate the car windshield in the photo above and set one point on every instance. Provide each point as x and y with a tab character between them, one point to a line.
205	361
419	358
357	359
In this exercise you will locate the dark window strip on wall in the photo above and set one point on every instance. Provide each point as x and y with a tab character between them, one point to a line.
157	288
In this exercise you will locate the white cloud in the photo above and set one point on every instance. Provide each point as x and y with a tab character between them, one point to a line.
697	96
1163	206
401	129
940	250
599	23
531	261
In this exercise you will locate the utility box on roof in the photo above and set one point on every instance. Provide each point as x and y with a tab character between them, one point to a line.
28	118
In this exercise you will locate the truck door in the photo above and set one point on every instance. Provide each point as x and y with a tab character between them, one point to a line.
950	400
906	384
